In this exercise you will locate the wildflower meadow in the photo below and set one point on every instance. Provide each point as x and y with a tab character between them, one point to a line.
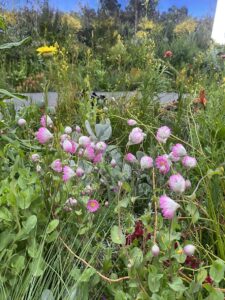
111	192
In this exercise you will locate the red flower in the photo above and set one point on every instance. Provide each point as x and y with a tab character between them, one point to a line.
138	233
208	279
168	53
193	262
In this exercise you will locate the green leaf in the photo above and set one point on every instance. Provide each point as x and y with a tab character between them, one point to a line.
47	295
18	263
5	239
52	226
4	94
217	270
154	279
136	256
15	44
193	211
117	236
215	295
5	214
30	224
87	274
202	274
120	295
177	285
37	266
32	248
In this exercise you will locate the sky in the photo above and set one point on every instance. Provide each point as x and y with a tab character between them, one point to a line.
197	8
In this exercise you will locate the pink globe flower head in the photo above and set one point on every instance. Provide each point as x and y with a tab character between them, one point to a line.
70	146
168	207
136	136
21	122
189	250
155	250
178	150
64	137
187	184
68	130
56	165
79	172
146	162
189	162
168	54
113	163
163	134
78	129
71	202
131	122
100	147
92	205
46	121
89	153
163	164
130	158
173	158
80	152
177	183
84	141
98	158
68	173
44	135
35	157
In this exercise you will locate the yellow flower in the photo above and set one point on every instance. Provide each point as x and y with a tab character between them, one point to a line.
180	251
47	50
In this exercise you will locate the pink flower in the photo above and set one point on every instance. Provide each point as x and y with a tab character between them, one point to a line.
155	250
44	135
163	164
46	121
35	157
79	172
100	147
84	141
113	163
22	122
168	53
89	153
163	134
173	158
168	207
187	184
146	162
131	122
68	173
98	158
57	165
68	130
177	183
92	205
70	146
71	202
78	129
178	150
64	137
189	250
189	162
129	157
136	136
80	152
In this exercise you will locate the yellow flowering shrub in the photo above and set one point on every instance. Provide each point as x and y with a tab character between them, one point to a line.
187	26
47	50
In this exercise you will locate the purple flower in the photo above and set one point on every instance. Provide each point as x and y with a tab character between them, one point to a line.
189	162
57	166
68	173
44	135
46	121
168	207
163	134
146	162
129	157
136	136
189	250
177	183
92	205
131	122
163	164
22	122
178	150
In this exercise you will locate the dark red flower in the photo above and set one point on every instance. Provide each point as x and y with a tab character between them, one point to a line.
168	53
208	279
192	261
139	232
